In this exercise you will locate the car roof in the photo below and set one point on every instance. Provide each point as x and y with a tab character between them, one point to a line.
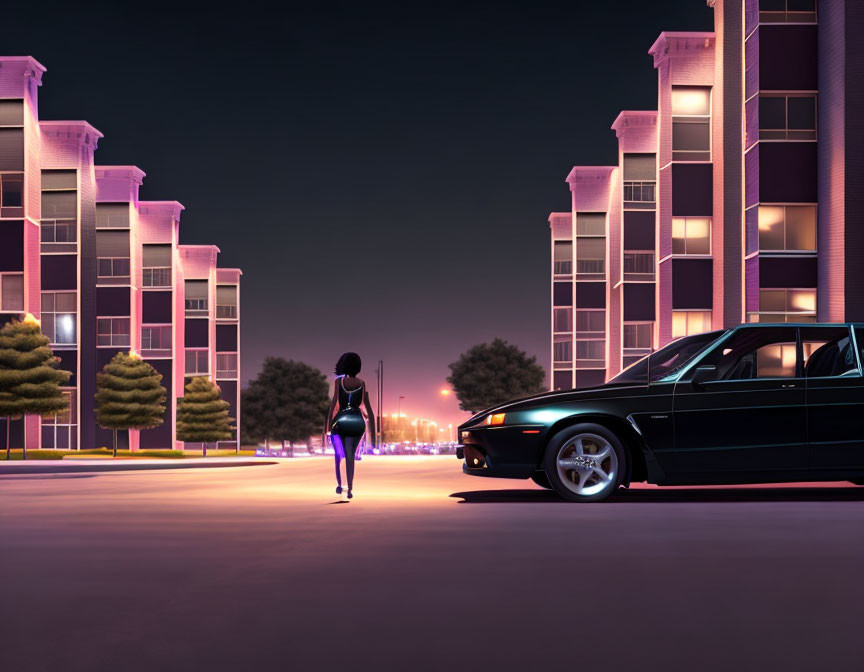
764	325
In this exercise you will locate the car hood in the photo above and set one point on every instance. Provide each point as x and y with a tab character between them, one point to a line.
563	396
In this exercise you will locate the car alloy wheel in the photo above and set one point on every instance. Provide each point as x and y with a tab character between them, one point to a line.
585	463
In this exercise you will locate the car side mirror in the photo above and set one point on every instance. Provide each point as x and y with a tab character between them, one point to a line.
703	374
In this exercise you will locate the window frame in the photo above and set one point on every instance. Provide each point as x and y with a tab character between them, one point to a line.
55	314
197	352
685	253
114	319
12	274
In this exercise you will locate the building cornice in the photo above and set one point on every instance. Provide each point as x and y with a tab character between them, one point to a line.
79	131
133	173
172	208
33	69
632	119
676	44
584	174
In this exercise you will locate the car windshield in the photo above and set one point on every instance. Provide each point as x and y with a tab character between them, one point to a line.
667	361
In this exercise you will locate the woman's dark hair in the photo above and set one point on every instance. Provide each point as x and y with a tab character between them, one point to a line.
348	364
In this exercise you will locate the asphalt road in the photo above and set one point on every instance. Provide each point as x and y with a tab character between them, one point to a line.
258	568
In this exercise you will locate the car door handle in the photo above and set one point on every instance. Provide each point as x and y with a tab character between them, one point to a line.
788	385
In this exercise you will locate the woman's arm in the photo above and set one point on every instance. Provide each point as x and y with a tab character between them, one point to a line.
332	410
370	417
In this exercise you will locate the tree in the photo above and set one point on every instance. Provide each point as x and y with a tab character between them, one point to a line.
29	378
492	373
288	401
129	395
202	415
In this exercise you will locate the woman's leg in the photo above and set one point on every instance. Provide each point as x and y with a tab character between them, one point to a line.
350	444
337	457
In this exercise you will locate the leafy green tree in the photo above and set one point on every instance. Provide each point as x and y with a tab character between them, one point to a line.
492	373
129	395
202	415
29	378
288	401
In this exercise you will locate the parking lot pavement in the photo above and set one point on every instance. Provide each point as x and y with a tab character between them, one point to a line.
425	569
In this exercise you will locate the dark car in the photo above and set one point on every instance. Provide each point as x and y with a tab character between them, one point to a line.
754	404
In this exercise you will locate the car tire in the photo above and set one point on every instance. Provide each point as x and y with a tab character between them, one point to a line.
585	463
541	479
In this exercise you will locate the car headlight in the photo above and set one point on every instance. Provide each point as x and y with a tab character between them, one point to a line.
495	419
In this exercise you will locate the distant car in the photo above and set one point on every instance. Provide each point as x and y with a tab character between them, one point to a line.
271	451
757	403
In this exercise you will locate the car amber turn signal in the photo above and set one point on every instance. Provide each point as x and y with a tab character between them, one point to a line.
495	419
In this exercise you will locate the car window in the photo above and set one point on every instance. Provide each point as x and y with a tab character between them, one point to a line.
667	360
828	351
760	352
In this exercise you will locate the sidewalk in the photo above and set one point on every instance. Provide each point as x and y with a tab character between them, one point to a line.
101	464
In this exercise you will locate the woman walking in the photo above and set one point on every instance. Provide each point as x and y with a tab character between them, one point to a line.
345	421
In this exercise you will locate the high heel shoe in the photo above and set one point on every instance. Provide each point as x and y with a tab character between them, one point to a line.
338	489
350	494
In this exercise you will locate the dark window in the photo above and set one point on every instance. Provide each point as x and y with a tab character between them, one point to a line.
562	380
226	337
12	112
692	189
787	172
591	295
112	300
787	272
639	302
59	271
788	58
11	195
562	294
156	307
692	284
197	333
638	230
12	246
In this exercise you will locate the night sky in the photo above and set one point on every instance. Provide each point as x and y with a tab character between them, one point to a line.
381	173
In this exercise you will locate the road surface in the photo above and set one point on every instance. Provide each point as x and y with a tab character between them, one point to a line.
259	568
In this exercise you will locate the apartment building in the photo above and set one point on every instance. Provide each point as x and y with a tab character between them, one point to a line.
103	271
736	200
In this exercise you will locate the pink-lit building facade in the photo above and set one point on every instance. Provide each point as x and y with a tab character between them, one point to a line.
739	199
103	270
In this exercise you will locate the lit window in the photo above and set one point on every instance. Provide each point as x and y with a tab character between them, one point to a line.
156	277
787	227
591	256
691	235
638	265
563	257
59	317
637	335
787	11
590	224
156	337
689	322
691	123
593	351
112	215
197	362
226	364
591	322
562	350
562	319
787	303
112	331
112	269
12	292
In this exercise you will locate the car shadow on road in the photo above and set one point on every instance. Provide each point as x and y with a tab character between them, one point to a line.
851	493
